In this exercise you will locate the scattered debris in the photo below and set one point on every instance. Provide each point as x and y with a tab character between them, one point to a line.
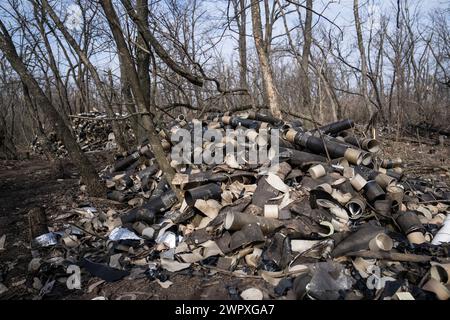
329	220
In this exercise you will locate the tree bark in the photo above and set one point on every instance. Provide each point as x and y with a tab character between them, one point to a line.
307	34
362	55
139	98
159	49
270	90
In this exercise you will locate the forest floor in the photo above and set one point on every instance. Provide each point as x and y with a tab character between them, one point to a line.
32	183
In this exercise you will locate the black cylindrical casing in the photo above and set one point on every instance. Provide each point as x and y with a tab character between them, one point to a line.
148	211
383	207
265	118
117	196
124	163
353	141
212	116
366	173
336	127
373	191
316	145
248	123
299	158
409	222
393	174
160	188
205	192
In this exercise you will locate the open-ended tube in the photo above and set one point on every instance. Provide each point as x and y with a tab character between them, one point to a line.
237	220
338	126
411	226
356	207
205	192
148	211
316	145
370	145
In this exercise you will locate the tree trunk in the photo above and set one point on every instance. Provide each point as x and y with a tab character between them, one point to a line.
307	34
241	16
362	55
132	76
270	91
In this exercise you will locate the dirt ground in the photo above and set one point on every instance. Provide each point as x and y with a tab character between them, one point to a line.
32	183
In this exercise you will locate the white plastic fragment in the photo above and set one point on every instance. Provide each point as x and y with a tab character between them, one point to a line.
123	234
46	239
252	294
276	182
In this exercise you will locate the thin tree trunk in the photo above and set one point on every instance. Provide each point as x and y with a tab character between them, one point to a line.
270	91
132	76
305	55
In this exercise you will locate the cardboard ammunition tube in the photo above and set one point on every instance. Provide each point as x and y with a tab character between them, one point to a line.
393	174
356	207
358	182
395	193
317	171
325	187
226	119
411	226
124	163
148	211
389	164
338	126
433	285
205	192
144	230
441	272
271	211
382	242
384	180
366	158
214	125
299	158
264	118
383	207
237	220
247	123
353	156
181	117
371	145
373	191
397	170
290	135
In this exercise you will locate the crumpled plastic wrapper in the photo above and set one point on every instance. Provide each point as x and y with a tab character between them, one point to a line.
123	234
46	240
329	281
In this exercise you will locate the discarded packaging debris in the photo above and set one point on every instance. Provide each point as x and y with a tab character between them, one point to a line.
329	220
